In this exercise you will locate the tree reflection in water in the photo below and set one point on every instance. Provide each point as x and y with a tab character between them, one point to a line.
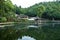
43	32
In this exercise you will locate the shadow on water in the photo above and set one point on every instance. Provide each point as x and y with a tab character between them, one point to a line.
45	31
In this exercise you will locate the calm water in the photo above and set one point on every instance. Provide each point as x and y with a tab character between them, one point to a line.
45	31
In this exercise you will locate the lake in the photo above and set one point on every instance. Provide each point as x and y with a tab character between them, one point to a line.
45	31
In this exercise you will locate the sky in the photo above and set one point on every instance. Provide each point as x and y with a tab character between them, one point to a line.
27	3
26	38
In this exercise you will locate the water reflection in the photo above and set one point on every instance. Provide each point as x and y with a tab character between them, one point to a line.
32	26
26	38
47	31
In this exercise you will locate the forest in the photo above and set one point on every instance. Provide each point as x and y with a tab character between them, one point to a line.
47	10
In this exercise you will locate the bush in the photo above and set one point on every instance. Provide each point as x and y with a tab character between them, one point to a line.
3	19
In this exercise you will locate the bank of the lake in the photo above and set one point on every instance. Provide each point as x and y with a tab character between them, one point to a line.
29	22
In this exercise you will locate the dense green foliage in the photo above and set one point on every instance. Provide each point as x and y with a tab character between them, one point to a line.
49	10
6	10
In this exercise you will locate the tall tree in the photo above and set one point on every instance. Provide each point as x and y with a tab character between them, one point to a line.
40	10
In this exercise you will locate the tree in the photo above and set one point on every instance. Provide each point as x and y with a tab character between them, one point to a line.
6	9
40	10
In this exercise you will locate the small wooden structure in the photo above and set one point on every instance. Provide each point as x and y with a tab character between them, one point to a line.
22	16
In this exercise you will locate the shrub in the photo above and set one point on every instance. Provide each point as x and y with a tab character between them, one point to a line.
3	19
